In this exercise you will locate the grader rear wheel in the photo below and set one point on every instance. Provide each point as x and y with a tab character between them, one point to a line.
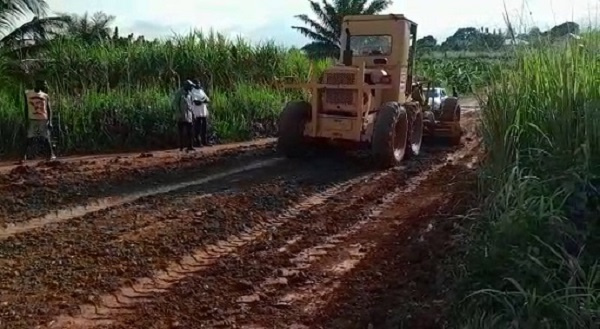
390	135
413	147
451	112
291	142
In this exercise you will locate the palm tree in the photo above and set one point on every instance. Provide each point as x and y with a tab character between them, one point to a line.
91	29
326	30
32	33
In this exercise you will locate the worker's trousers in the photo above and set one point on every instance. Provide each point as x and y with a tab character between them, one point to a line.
200	130
186	135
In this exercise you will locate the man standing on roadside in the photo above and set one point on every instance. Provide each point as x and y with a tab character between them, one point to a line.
199	101
38	114
184	116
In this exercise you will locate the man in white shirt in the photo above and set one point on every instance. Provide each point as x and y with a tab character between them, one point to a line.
198	103
182	113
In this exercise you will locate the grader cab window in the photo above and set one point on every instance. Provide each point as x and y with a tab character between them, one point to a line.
371	45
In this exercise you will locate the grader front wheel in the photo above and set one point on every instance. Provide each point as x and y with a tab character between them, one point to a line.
390	135
291	142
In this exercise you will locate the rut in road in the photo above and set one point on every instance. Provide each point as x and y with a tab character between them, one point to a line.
230	292
89	162
339	253
246	249
236	293
334	215
28	192
337	257
111	202
52	269
143	289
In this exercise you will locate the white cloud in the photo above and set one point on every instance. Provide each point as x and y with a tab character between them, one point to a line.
272	18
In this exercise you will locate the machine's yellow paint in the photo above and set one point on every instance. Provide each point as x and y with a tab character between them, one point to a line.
342	89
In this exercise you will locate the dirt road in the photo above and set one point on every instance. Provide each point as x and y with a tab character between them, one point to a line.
234	238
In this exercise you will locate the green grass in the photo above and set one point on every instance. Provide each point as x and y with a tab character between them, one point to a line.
468	75
533	261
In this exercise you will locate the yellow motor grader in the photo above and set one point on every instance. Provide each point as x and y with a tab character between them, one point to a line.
369	99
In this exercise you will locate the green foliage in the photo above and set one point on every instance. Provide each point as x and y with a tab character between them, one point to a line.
426	44
327	29
113	95
472	39
563	29
466	74
90	29
105	65
540	127
37	31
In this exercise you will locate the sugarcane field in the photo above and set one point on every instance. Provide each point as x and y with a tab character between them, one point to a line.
370	166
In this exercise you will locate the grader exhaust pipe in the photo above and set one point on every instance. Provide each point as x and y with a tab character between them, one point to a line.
347	54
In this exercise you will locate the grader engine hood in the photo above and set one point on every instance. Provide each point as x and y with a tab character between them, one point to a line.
347	76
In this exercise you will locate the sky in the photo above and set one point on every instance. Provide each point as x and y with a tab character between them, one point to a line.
272	19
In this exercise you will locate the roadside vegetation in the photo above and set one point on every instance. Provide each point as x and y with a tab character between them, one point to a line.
533	259
117	96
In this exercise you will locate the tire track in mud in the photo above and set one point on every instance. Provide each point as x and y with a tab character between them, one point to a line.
53	282
225	294
401	281
332	267
62	265
90	161
27	192
62	215
342	211
143	288
328	263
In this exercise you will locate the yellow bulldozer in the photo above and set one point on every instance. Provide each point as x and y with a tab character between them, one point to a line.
368	99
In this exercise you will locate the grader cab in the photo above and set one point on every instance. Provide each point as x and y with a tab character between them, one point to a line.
368	99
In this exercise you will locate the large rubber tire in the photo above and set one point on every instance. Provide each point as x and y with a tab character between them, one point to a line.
415	137
390	135
451	112
292	121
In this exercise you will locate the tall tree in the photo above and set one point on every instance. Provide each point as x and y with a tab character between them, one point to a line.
92	28
462	39
326	30
427	43
563	29
33	32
